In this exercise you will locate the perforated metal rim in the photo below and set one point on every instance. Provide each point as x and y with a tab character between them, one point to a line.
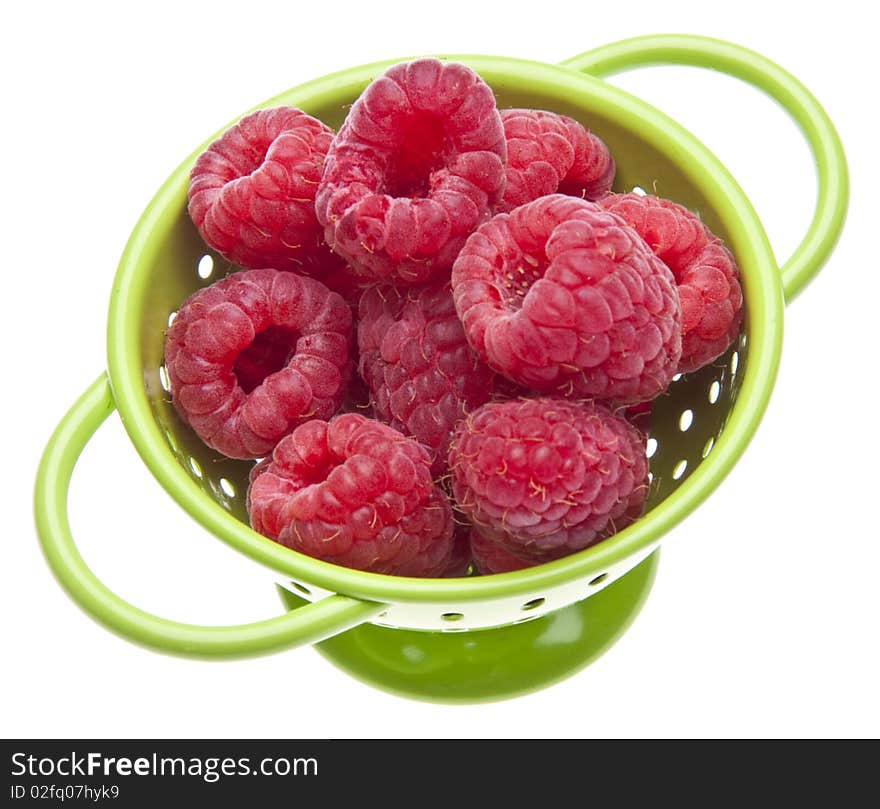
764	326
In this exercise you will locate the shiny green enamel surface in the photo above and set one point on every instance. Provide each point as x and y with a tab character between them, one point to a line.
490	664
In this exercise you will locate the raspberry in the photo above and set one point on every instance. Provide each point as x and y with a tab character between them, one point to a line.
490	557
422	374
357	493
592	173
546	477
256	353
252	192
547	153
417	165
561	295
711	307
704	269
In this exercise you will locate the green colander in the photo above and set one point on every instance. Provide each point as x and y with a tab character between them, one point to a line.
475	638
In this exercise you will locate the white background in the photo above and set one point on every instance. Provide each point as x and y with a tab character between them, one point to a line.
764	617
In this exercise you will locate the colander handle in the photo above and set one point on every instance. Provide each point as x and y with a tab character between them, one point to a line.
307	624
796	100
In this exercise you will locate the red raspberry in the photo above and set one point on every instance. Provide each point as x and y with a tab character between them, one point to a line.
252	192
422	374
547	153
417	165
704	269
546	477
560	295
490	557
256	353
592	173
357	493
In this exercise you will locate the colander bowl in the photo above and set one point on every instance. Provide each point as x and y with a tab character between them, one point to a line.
473	638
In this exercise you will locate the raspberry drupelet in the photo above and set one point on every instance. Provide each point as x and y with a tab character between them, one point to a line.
355	492
705	272
256	353
562	296
546	477
252	193
549	153
417	165
422	374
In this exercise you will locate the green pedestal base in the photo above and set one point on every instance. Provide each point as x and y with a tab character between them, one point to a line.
490	664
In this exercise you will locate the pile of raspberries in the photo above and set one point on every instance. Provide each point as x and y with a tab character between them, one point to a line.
442	326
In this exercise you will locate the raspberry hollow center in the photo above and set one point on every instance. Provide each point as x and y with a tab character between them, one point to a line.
422	151
516	278
270	351
256	162
317	474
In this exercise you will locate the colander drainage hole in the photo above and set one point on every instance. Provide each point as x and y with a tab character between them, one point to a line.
164	381
679	469
533	604
708	447
714	391
687	418
598	580
452	616
196	467
734	363
172	442
651	447
206	266
228	488
171	318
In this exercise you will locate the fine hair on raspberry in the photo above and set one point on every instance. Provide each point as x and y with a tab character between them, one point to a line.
549	153
252	192
705	271
562	296
422	374
546	477
256	353
416	166
355	492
